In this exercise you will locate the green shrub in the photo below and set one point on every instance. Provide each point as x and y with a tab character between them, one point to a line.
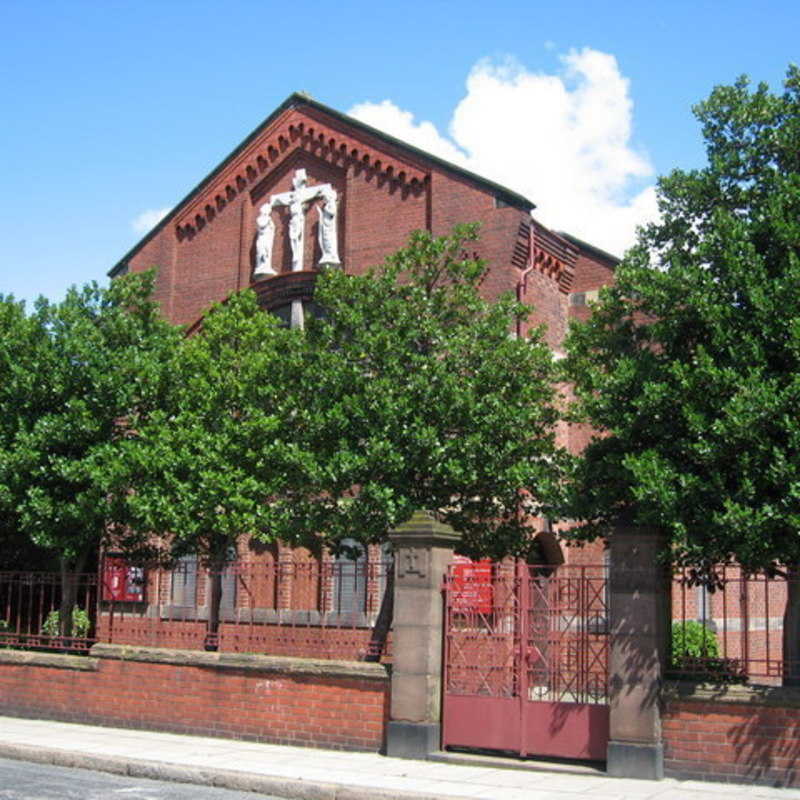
691	640
696	655
80	623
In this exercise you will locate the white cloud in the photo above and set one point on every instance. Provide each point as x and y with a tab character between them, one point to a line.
563	140
386	116
148	219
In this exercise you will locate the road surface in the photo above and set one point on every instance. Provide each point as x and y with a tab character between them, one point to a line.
20	780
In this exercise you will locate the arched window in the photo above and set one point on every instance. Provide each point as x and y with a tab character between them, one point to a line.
297	313
289	296
184	582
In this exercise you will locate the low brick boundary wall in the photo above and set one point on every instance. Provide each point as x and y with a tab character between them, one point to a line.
294	701
746	734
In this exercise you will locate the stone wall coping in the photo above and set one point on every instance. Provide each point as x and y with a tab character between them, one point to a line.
774	696
29	658
249	662
424	530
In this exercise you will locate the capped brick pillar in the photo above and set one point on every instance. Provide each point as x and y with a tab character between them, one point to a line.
423	548
640	614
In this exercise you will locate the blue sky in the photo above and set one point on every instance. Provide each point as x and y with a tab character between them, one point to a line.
111	110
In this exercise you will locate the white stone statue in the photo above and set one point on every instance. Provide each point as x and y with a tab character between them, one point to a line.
297	199
264	241
328	240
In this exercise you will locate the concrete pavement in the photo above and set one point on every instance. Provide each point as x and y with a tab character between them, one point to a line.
300	773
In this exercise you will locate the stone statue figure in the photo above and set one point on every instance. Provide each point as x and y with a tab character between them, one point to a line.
297	199
265	239
328	240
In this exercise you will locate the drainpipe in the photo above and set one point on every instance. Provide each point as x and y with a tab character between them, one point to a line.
522	287
522	283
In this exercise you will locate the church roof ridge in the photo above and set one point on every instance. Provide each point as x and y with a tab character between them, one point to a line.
583	245
513	197
296	100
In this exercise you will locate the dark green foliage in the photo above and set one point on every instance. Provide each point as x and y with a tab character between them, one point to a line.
19	553
200	470
413	395
81	623
203	468
690	364
409	394
695	655
70	373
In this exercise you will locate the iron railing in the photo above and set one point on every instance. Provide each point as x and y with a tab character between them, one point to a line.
36	612
315	608
728	626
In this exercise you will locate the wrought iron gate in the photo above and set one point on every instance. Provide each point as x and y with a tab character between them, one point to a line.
526	659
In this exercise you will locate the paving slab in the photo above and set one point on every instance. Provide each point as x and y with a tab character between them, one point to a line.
301	773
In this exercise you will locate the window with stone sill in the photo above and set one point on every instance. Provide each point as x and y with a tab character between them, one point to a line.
302	311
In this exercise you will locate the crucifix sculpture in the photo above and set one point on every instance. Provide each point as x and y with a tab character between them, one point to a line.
296	200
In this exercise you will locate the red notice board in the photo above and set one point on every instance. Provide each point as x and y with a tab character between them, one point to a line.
122	582
471	585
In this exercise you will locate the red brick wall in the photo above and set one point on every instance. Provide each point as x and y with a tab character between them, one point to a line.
285	708
741	742
376	218
591	272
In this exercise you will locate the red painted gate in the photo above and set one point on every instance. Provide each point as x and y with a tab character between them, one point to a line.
526	659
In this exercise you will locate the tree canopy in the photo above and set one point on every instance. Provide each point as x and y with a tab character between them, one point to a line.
202	469
70	372
690	364
413	394
408	393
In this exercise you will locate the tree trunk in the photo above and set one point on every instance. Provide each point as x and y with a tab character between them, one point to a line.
791	628
70	582
216	569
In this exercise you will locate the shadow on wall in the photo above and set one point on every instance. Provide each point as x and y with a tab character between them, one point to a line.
766	744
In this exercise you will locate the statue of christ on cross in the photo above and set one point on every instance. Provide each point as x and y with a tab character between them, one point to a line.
300	195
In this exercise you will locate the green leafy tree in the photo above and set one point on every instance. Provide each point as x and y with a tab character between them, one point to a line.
18	341
70	373
201	471
409	393
690	364
413	394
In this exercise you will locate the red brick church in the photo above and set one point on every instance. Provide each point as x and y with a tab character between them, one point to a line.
534	659
313	188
